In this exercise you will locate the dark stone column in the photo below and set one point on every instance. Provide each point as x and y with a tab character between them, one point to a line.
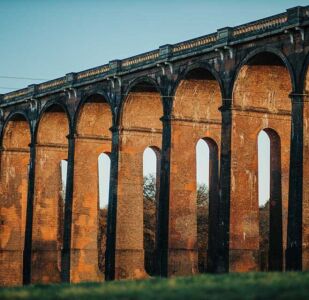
294	232
221	247
66	248
29	218
163	206
112	209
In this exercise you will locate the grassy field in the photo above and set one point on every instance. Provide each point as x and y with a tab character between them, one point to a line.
231	286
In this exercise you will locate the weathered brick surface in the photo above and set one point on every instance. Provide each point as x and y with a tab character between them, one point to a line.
195	116
260	93
93	138
141	128
305	228
48	206
260	100
13	198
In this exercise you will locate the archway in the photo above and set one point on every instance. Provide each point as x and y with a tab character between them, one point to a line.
13	198
260	100
104	165
207	177
141	127
151	186
270	201
195	115
93	137
48	210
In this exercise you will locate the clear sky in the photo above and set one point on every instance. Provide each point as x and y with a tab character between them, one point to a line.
48	38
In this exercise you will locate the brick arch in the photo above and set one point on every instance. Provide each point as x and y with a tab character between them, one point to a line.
203	66
266	50
15	137
15	158
93	97
195	114
140	127
55	115
197	94
48	213
93	121
142	106
260	98
94	116
264	79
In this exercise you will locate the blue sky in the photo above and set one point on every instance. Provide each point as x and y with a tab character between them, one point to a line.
49	38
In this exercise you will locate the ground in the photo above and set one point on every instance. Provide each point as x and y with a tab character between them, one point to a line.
228	286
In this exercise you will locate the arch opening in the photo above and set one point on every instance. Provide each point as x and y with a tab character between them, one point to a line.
151	187
198	96
104	163
263	82
270	201
207	168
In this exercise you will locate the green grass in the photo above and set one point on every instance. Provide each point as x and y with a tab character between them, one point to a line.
229	286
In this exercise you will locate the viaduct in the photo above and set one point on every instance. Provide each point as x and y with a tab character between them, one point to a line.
224	88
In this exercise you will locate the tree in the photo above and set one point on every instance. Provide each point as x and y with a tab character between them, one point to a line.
150	218
102	228
264	235
202	201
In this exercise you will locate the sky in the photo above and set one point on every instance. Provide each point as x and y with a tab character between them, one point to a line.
47	39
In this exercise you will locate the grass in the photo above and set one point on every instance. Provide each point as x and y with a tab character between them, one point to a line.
229	286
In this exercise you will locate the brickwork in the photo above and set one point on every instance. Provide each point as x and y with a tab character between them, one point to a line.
305	212
48	207
93	138
196	115
261	99
141	128
241	81
14	182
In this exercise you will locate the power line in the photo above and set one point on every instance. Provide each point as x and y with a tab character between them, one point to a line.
22	78
9	88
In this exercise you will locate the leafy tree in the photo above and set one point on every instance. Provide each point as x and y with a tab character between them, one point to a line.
102	237
150	218
202	201
264	235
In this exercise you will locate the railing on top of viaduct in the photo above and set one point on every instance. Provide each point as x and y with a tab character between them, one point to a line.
228	36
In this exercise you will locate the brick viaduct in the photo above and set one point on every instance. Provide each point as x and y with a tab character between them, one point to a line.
225	88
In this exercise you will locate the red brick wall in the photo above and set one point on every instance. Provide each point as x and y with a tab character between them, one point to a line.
93	138
260	100
47	214
13	199
141	128
196	116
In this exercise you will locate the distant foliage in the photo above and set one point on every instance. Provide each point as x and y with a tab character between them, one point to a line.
102	237
202	201
264	235
150	221
150	187
202	228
